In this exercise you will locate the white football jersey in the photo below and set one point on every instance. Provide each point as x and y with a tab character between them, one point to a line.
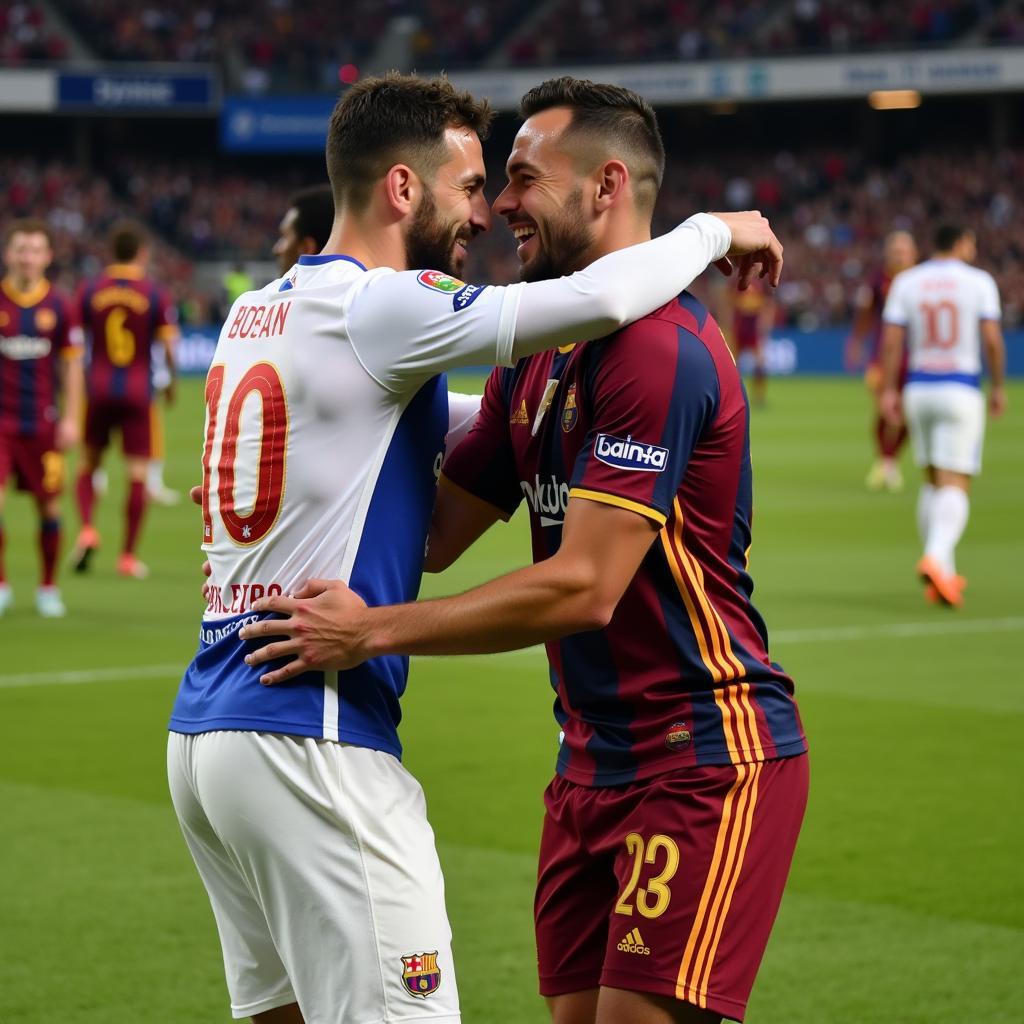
941	303
326	415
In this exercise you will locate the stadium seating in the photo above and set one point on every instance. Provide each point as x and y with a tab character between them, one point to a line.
281	45
830	208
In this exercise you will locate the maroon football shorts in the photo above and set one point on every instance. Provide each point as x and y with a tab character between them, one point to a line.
132	418
748	337
37	465
668	886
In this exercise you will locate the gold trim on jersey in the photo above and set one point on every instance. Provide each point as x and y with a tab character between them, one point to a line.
26	299
614	499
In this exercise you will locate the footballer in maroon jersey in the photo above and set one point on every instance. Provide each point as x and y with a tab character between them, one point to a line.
40	370
900	254
125	314
682	776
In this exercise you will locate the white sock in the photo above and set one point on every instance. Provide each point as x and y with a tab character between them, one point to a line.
950	507
155	475
924	510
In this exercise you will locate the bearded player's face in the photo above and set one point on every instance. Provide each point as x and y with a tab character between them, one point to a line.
452	209
543	201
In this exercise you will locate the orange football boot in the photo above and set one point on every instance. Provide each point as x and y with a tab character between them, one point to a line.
88	542
946	587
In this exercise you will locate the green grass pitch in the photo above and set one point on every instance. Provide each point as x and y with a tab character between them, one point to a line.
906	902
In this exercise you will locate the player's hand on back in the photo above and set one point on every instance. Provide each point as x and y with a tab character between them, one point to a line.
755	250
322	631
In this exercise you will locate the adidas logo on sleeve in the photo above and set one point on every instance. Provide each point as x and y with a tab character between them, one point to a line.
633	943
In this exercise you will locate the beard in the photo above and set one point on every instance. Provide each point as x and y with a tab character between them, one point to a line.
567	239
429	241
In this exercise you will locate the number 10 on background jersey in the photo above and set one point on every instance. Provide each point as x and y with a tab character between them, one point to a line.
224	414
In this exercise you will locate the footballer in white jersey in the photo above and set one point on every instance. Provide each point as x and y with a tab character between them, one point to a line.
946	312
327	411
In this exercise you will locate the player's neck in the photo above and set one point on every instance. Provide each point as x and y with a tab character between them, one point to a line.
615	236
24	285
373	245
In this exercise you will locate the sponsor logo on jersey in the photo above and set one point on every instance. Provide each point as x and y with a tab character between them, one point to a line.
420	973
548	498
520	417
438	282
678	736
633	943
46	319
570	414
21	346
630	454
466	296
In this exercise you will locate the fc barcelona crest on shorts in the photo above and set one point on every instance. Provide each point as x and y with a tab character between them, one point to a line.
421	973
678	736
569	411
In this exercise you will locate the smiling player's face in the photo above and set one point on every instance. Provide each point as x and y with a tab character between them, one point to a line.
27	256
543	200
452	210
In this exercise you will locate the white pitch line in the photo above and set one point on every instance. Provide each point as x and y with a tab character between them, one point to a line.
92	675
895	630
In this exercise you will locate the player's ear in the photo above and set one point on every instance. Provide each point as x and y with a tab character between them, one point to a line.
401	189
612	179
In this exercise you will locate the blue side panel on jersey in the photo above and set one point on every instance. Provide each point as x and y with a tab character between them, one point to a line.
587	662
219	691
27	384
389	563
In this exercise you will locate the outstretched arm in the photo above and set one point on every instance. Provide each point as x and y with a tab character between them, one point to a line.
329	627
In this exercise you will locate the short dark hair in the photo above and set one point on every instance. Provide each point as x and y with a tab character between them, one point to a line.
395	118
314	213
28	226
947	235
614	121
126	239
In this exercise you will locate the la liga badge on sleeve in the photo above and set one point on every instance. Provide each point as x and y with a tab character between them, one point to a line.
421	974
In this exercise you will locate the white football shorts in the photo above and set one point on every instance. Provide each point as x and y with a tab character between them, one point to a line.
946	421
321	868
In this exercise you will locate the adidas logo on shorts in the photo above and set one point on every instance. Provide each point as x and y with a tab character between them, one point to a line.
633	943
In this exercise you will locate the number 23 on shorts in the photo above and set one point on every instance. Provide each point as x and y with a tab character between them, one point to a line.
661	854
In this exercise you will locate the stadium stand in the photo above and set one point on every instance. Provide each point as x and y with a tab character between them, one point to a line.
281	45
831	208
27	35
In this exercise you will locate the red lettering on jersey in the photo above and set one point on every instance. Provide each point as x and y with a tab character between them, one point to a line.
233	333
259	321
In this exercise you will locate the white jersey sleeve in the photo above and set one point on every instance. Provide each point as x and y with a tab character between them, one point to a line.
990	307
408	326
462	413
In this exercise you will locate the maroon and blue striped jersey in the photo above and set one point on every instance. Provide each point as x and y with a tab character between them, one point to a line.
654	419
124	313
37	328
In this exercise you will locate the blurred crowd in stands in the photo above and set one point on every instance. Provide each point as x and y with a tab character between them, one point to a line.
831	209
288	45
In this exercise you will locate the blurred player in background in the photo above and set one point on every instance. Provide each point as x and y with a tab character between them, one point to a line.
40	394
753	317
124	314
682	776
294	797
900	253
305	227
163	394
945	312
